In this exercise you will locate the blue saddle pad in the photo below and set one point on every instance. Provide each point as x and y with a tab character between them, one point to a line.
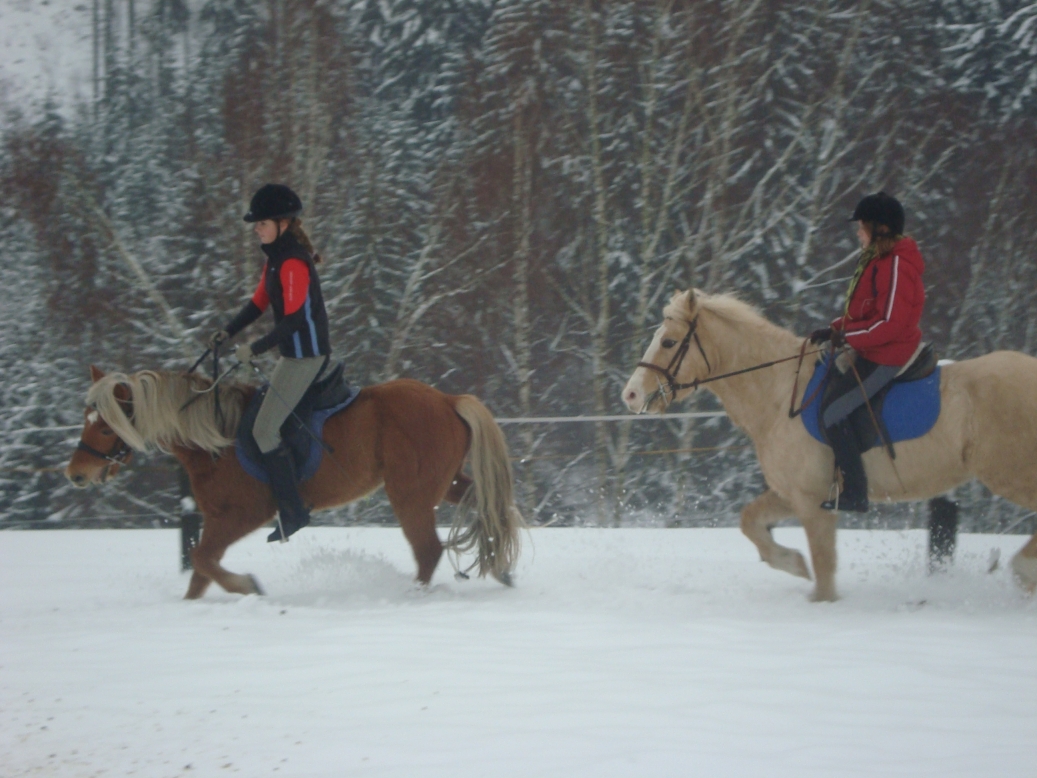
910	408
307	451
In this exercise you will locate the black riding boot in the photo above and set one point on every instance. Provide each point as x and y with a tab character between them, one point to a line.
854	494
285	485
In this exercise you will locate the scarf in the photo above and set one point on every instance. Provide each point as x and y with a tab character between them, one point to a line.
869	253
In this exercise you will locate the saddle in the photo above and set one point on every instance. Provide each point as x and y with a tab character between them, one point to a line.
906	408
326	396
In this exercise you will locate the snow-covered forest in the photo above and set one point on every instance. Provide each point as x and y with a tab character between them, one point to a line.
505	193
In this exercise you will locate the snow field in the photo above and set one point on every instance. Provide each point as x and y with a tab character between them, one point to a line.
630	652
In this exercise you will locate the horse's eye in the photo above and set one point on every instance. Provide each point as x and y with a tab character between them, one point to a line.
669	343
107	432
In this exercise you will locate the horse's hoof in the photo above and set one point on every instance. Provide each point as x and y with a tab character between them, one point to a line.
1025	570
256	588
818	596
792	562
505	578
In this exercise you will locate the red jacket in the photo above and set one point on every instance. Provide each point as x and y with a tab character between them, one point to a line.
881	323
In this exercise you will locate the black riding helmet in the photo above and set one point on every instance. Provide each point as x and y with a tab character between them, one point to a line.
881	208
273	201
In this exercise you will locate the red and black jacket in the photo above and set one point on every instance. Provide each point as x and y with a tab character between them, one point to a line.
881	321
290	286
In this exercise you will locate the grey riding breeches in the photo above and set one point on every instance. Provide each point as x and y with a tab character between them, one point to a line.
849	395
288	383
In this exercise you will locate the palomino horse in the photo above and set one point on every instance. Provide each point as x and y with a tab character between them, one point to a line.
403	434
987	427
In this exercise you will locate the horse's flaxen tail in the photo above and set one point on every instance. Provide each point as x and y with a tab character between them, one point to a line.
493	533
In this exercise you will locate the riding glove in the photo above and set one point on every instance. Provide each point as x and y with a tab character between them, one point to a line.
837	337
821	336
218	337
243	353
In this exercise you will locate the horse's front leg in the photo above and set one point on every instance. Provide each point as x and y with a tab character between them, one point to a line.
757	519
820	527
217	535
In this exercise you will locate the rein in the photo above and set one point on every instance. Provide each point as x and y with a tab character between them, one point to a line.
671	370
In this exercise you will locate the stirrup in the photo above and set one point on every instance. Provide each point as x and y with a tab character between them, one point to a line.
841	503
285	529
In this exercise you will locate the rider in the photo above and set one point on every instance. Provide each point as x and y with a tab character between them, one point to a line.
289	285
880	323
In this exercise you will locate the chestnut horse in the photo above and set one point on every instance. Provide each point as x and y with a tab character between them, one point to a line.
987	427
403	434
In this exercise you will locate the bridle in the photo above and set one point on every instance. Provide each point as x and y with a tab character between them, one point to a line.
671	370
119	455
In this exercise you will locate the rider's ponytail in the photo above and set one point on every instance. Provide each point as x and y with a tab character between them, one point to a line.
295	228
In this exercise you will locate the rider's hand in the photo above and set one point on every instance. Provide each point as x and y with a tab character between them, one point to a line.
838	338
218	337
821	336
243	353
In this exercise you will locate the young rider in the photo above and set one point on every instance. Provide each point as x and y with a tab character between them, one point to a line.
880	323
288	284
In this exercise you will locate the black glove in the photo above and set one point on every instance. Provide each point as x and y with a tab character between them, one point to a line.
838	338
217	338
821	336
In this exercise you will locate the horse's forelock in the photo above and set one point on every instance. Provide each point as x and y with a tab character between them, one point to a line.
101	396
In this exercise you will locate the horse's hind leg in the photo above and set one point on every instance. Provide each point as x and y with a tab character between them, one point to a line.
458	488
757	519
418	520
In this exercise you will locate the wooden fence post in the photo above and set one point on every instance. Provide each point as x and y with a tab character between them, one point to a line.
943	532
190	522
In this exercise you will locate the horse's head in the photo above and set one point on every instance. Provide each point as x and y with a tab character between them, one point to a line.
674	362
101	452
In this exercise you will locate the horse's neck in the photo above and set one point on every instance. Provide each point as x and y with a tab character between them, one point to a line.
754	400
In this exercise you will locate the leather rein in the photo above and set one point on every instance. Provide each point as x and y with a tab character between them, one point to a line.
673	368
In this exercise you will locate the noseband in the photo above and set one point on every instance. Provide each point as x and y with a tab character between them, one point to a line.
671	370
119	455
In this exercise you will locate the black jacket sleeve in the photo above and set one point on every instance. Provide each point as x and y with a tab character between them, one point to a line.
281	333
245	317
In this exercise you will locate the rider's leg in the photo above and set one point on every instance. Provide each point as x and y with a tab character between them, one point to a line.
288	383
854	495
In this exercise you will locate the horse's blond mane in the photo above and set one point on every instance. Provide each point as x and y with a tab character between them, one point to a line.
725	306
157	399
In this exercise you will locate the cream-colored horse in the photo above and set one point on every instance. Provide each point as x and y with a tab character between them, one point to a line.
987	427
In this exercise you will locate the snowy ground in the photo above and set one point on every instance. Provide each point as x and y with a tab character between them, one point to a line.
642	652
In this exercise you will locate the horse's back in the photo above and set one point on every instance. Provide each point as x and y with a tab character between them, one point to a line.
412	414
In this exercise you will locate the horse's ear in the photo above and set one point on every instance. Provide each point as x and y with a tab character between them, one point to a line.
692	301
95	374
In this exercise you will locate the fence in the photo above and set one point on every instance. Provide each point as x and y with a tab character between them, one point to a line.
943	512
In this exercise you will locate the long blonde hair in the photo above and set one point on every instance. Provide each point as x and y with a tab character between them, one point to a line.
881	244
